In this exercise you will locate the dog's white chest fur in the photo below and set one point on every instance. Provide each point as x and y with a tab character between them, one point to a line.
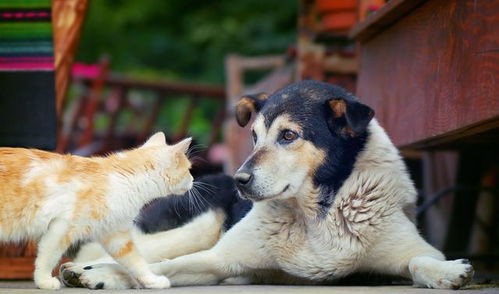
335	244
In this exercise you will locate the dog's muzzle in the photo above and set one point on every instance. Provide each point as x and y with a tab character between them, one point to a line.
244	180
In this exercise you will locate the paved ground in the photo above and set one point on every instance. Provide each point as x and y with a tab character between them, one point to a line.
29	287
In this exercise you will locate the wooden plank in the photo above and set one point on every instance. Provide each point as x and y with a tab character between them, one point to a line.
384	17
16	268
205	91
67	21
479	133
434	72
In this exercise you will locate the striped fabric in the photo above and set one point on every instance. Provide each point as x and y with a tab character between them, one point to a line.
27	86
26	35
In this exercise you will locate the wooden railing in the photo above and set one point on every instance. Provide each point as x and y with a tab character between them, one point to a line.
109	96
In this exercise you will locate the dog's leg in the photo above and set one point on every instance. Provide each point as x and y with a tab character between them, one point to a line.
121	247
400	250
238	253
200	234
93	268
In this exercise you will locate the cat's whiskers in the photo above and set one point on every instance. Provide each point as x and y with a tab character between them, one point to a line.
191	204
197	200
197	197
175	205
194	149
210	189
200	199
204	187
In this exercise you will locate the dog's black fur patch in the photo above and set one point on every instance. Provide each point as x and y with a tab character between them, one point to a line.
219	192
307	104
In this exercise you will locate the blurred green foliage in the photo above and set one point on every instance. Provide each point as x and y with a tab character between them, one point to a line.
184	39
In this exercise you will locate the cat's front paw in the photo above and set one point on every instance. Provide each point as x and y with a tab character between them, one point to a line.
155	282
48	283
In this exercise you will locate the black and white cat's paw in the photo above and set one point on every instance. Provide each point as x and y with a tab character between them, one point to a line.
100	276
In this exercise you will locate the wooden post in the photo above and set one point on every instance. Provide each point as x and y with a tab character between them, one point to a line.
238	139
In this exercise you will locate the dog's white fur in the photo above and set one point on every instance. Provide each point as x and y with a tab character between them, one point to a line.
368	228
199	234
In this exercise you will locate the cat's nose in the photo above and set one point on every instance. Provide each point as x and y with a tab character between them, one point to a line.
243	179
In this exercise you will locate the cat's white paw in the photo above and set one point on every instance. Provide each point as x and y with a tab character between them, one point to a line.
155	282
48	283
451	274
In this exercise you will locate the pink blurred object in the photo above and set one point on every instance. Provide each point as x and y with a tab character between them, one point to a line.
82	70
217	153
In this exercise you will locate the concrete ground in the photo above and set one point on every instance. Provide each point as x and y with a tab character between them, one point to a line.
14	287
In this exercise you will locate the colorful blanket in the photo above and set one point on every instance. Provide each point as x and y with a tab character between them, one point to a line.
26	35
27	86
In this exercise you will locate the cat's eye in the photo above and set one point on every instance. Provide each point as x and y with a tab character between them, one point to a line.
287	136
253	134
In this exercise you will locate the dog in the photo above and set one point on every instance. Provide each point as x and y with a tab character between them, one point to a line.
330	196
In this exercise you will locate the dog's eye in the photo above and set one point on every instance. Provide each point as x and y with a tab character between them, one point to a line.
288	136
253	134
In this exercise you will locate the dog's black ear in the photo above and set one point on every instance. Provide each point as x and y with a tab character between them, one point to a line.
248	104
350	115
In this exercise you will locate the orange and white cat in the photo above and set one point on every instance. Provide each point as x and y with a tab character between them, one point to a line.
60	199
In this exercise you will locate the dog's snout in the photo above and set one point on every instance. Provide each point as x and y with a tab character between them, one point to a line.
243	178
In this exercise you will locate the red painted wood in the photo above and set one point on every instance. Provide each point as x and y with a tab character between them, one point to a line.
20	268
339	20
335	5
434	71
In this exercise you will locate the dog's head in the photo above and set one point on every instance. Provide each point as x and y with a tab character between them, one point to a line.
306	139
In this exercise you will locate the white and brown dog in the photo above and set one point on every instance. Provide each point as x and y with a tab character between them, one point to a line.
331	196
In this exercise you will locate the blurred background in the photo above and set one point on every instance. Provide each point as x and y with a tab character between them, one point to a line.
94	76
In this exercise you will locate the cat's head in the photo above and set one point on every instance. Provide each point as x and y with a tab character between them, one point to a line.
172	163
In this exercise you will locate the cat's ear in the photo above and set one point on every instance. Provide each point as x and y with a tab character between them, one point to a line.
183	145
157	139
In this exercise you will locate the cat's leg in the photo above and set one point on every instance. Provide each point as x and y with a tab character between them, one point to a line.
51	247
121	247
400	250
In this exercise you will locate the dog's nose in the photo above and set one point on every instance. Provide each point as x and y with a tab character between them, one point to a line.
243	179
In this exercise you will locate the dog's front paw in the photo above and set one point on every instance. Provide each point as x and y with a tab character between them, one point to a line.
458	273
155	282
100	276
69	274
451	274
